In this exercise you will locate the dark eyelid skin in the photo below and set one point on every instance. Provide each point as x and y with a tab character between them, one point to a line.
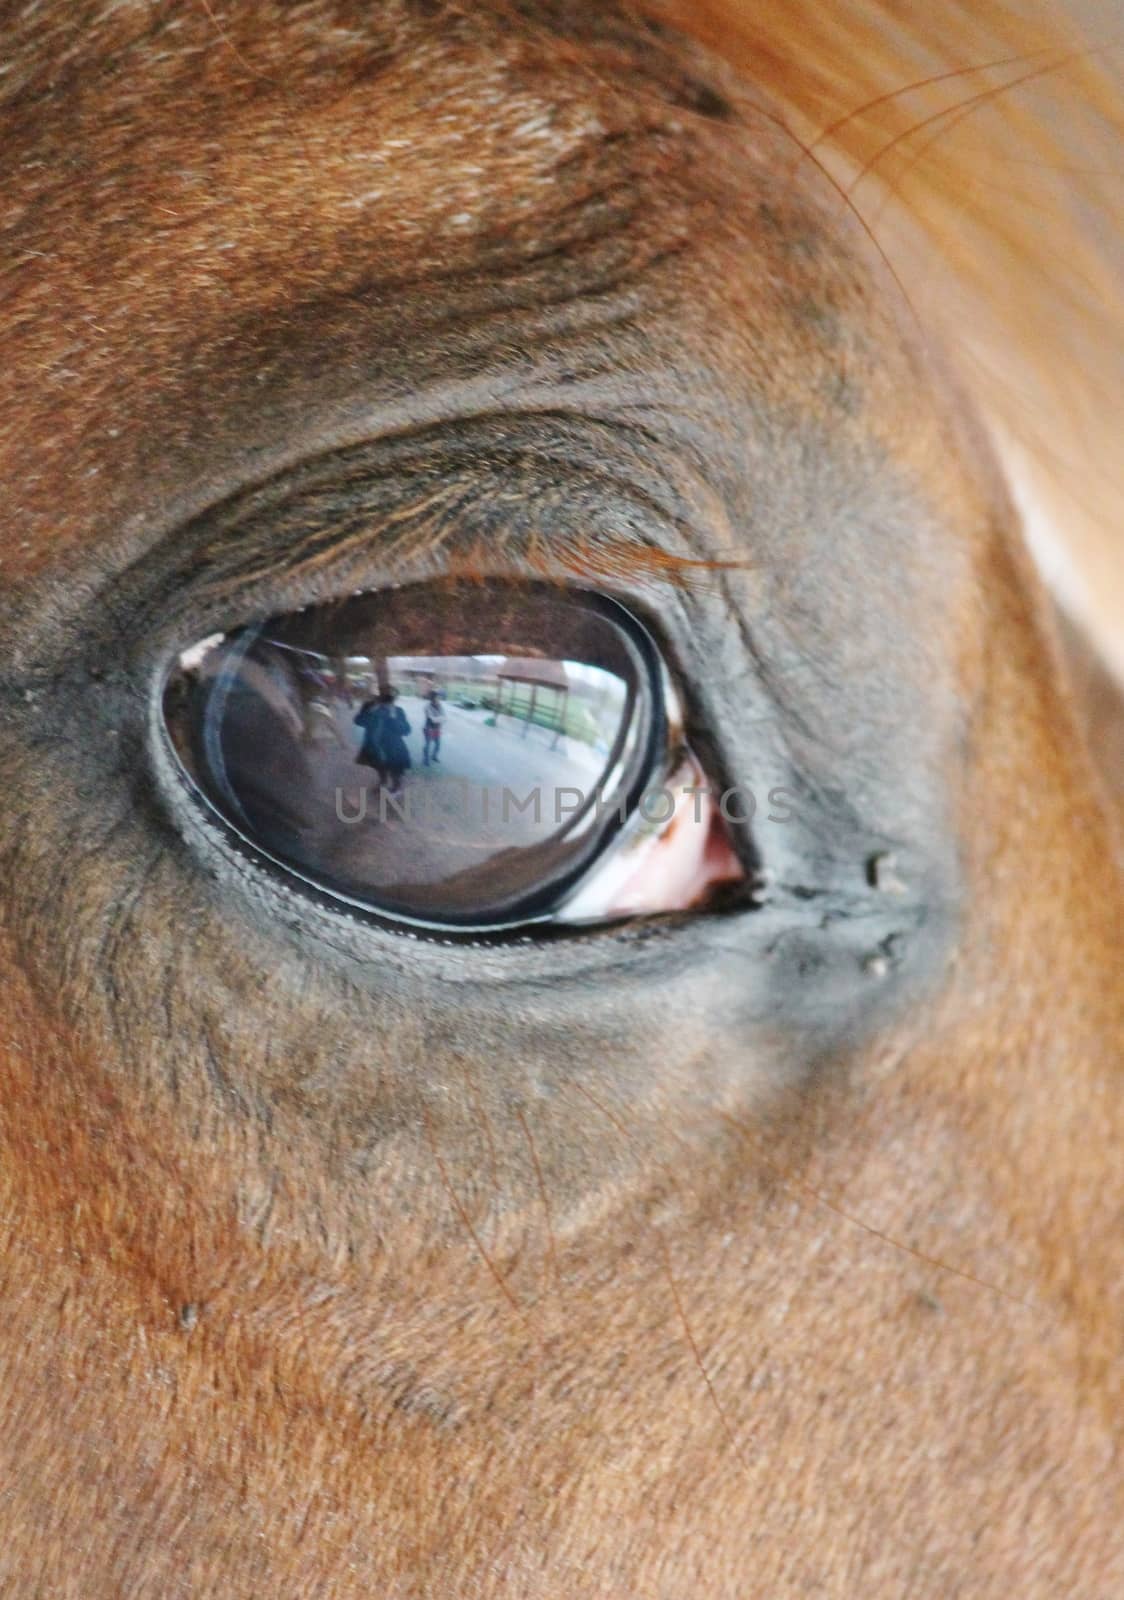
357	520
560	494
538	474
324	531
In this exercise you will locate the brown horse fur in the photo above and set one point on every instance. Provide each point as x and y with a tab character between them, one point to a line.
760	1255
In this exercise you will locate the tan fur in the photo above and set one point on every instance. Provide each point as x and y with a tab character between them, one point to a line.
300	1300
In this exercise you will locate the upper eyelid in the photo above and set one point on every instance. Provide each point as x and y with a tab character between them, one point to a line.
336	534
246	559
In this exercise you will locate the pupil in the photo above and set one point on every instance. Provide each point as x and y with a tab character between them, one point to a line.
454	753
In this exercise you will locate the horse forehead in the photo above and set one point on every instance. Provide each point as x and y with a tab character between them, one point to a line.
433	127
166	233
189	175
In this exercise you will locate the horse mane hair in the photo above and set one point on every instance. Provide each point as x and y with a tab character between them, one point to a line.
980	141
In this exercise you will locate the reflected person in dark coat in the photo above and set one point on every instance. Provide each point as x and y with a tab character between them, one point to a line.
385	727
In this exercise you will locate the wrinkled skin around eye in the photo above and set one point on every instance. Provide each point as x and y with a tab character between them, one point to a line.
770	1253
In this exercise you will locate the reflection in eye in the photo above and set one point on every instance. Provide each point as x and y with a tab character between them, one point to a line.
456	755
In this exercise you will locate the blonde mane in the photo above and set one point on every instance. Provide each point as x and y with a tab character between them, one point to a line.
982	146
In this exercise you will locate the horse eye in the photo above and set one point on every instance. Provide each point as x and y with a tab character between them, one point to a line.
456	755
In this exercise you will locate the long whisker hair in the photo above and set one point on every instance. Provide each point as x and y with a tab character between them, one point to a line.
983	146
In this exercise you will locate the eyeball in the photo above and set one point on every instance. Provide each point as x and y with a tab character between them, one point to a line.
456	755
